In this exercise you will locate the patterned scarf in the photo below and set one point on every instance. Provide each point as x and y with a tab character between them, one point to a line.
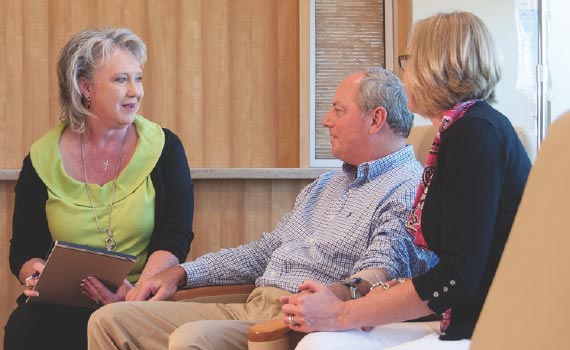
414	223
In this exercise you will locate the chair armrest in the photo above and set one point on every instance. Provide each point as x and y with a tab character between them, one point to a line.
215	294
268	331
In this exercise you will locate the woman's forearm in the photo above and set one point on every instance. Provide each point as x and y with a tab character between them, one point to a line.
398	303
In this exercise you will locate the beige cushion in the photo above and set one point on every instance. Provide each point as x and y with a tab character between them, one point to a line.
528	139
529	301
421	137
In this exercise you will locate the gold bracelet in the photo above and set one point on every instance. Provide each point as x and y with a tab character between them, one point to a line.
380	284
386	285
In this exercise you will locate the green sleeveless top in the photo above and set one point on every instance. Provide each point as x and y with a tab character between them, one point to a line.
69	212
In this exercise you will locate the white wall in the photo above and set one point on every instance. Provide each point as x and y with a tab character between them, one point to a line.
560	56
499	16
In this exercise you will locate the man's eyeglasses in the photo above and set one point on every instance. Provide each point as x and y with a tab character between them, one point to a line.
402	61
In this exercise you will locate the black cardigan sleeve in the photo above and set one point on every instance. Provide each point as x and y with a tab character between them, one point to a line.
174	206
31	237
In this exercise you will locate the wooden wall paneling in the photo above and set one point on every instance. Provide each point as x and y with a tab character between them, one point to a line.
163	41
259	145
215	87
283	195
263	139
35	63
304	83
218	216
110	12
223	213
288	83
257	203
189	123
11	84
132	14
231	215
242	80
74	15
212	210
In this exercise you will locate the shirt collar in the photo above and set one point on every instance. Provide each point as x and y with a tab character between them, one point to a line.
368	171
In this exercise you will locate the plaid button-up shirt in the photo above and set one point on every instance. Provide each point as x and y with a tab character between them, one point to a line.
345	221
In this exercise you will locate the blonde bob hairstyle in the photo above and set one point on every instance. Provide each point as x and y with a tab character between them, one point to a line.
79	58
452	58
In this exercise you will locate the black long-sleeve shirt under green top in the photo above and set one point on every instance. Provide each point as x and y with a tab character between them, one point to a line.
174	208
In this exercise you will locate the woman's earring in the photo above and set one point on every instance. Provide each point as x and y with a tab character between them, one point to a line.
88	103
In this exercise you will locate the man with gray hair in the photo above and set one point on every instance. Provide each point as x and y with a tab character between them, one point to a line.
345	230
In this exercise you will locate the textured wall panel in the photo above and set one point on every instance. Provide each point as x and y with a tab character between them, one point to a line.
349	35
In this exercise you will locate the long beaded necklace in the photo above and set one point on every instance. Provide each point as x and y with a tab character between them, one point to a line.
110	242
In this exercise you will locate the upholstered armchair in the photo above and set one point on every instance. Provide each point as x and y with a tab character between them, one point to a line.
527	305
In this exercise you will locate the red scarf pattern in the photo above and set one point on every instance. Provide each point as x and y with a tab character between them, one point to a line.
413	224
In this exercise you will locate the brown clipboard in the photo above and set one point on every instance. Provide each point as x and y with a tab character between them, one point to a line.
69	263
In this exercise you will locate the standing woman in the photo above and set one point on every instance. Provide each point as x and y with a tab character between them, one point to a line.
104	177
465	205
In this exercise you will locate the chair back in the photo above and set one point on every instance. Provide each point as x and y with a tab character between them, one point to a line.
421	138
528	303
528	139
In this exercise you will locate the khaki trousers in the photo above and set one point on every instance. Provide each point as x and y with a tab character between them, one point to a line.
154	325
